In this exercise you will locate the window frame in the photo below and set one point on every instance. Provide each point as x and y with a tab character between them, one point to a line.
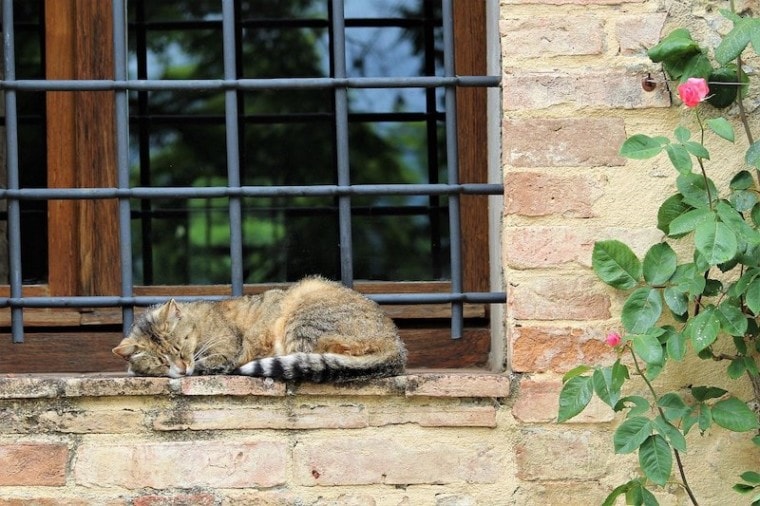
84	278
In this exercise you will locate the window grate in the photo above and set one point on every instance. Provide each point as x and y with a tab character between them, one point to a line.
234	191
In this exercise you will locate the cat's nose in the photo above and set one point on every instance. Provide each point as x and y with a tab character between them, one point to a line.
177	370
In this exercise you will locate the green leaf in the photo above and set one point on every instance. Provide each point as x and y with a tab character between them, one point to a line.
753	296
648	497
697	150
732	320
722	95
669	210
616	492
673	406
659	264
753	155
735	221
642	310
640	405
574	397
694	190
742	488
676	300
696	66
722	128
733	414
735	41
671	433
682	134
680	158
751	366
605	387
575	371
631	433
656	459
616	264
648	348
676	45
640	147
676	346
688	221
751	477
742	180
736	368
706	393
705	417
704	328
716	241
689	279
743	200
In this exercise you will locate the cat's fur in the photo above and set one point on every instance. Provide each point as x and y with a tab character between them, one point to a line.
316	330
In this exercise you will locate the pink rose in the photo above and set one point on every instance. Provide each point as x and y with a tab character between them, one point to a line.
613	339
693	91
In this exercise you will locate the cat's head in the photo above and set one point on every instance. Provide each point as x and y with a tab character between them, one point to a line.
159	343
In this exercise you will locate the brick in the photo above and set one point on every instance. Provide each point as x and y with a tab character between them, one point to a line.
541	247
19	387
566	142
113	386
224	464
608	89
457	385
228	385
572	2
455	500
558	298
200	499
538	402
537	194
436	416
558	349
636	34
58	499
566	493
91	422
534	37
372	459
266	417
564	454
33	464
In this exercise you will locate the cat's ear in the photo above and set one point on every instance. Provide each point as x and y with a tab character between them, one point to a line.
125	349
170	312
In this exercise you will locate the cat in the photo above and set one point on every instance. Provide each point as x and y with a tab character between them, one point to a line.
316	330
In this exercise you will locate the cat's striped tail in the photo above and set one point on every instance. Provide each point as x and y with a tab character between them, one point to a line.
323	367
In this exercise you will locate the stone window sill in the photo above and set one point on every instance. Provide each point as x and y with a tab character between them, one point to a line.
440	384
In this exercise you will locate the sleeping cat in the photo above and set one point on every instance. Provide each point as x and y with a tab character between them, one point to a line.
316	330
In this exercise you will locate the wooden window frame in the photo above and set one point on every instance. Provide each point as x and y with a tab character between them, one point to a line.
83	234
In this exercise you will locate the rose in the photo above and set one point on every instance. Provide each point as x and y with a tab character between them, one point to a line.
613	339
693	91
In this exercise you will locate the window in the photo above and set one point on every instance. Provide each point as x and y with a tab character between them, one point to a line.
232	145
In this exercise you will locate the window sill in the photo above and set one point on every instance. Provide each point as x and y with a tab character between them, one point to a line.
440	384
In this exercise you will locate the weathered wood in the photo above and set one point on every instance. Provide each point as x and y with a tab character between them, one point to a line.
83	239
90	351
470	42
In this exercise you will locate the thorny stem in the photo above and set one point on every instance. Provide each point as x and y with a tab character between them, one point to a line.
656	398
699	160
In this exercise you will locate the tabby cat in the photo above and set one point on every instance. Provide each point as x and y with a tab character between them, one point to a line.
316	330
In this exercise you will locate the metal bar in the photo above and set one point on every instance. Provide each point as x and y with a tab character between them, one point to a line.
122	157
233	148
11	154
338	58
252	191
112	301
457	309
250	84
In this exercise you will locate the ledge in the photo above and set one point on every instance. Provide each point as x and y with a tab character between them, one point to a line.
455	384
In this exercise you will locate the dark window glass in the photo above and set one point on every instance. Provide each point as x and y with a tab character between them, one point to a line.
287	137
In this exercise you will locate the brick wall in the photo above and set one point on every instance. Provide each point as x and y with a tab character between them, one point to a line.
572	94
571	74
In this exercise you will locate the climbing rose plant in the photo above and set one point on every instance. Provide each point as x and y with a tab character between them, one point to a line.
707	303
